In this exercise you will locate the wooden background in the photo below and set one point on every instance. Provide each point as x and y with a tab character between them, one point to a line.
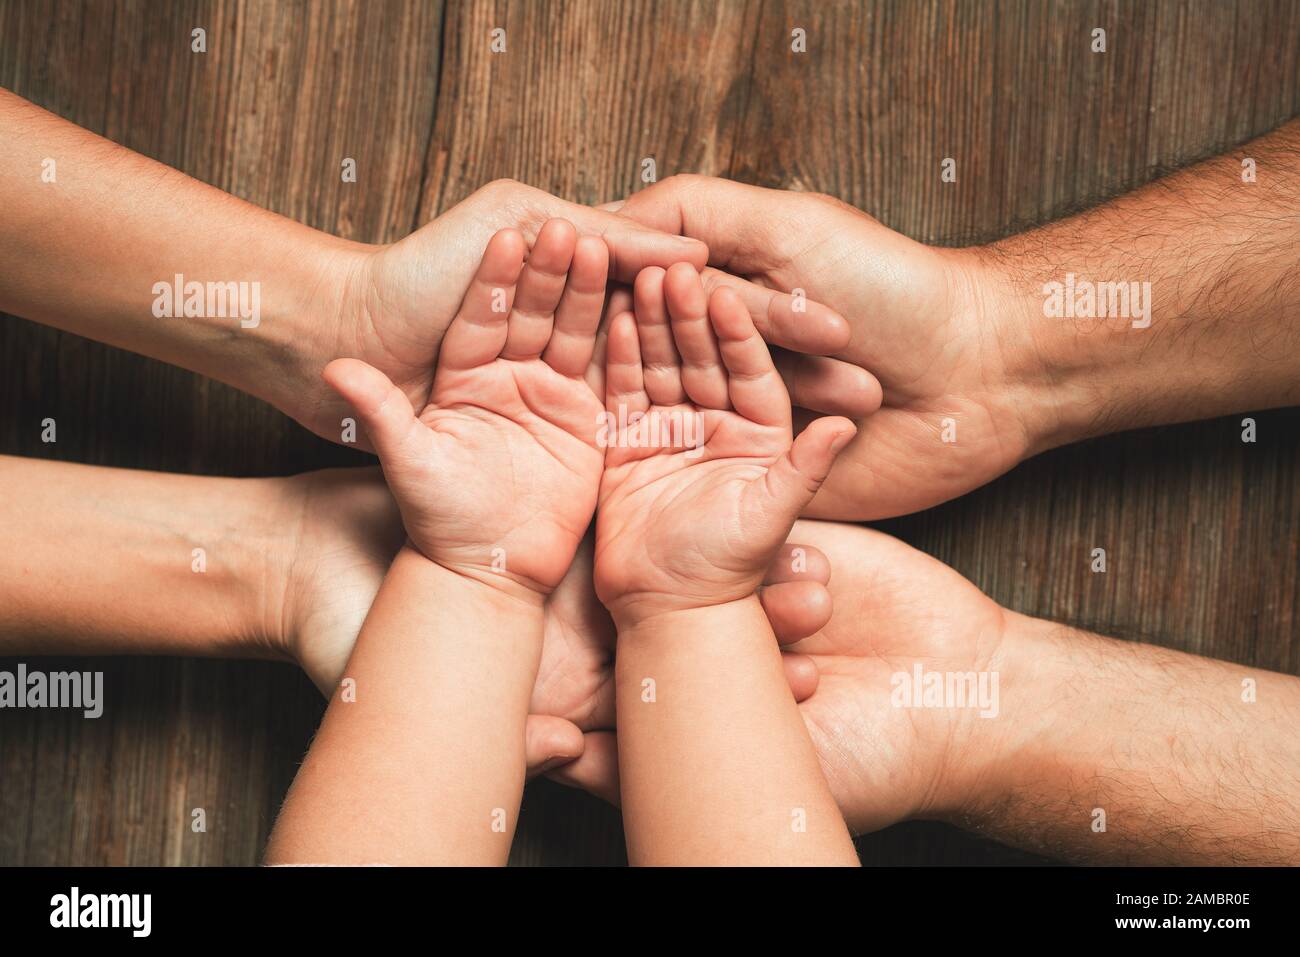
1201	530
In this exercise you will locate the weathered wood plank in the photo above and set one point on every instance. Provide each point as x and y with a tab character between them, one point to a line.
283	94
1201	530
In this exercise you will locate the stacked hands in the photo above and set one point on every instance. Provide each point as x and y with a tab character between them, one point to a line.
681	443
721	377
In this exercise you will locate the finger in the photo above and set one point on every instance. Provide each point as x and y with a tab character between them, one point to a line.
659	359
618	300
541	284
550	742
596	770
384	410
796	609
624	384
795	563
703	377
578	315
478	333
792	482
753	386
831	386
801	674
748	229
632	246
793	322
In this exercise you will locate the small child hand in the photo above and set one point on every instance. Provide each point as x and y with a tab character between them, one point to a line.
498	474
702	482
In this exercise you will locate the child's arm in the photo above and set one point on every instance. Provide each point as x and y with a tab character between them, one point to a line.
426	763
496	481
700	490
718	768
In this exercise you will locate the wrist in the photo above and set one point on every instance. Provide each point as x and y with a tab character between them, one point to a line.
1031	371
1002	756
320	281
237	557
477	580
651	617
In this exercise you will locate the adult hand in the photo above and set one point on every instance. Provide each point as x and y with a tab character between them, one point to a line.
389	306
960	381
894	607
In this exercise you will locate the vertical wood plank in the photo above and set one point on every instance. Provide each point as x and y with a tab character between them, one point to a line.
283	94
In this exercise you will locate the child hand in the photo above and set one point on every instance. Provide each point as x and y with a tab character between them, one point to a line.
702	482
498	473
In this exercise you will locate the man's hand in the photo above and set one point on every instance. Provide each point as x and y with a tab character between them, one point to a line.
894	607
389	305
923	321
1183	305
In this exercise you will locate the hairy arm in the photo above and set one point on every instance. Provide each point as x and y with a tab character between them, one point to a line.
421	760
715	764
1215	262
1183	760
978	370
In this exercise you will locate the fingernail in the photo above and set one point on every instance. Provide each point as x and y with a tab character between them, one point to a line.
840	441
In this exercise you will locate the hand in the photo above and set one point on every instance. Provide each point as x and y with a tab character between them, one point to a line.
932	324
389	306
576	678
894	607
497	476
340	529
701	479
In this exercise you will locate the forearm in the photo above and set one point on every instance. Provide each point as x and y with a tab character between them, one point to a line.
426	764
1182	760
97	251
715	763
1209	269
115	561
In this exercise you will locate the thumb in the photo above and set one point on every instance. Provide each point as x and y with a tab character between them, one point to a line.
550	742
596	770
384	410
795	478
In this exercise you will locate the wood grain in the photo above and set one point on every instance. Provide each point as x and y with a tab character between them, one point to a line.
284	93
1201	530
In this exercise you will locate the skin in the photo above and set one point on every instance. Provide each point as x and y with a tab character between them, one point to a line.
292	567
447	659
684	533
961	334
1084	722
321	297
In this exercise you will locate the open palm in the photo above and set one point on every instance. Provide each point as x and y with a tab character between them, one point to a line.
498	474
700	475
895	608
